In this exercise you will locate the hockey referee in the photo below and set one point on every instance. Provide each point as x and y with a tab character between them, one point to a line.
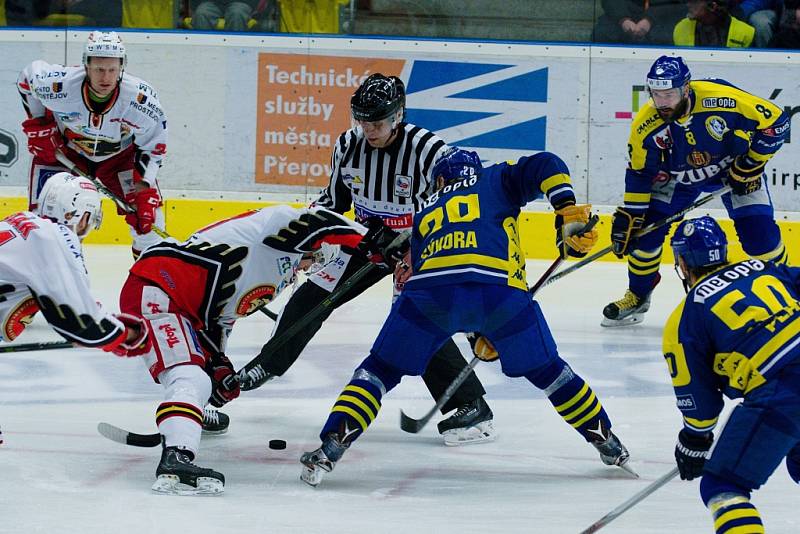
380	168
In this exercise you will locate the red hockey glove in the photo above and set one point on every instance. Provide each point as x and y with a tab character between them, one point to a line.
44	139
146	202
223	378
139	342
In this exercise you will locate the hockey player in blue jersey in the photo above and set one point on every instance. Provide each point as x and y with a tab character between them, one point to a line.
736	334
469	276
693	136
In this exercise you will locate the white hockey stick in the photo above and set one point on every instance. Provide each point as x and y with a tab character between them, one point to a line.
633	501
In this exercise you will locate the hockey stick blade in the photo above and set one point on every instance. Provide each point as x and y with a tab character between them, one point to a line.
622	508
411	425
22	347
114	433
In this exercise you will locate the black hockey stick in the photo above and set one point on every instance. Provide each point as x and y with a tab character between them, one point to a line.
121	204
22	347
413	426
114	433
253	375
644	231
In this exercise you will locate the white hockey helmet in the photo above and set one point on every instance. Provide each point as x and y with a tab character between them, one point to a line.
66	198
104	44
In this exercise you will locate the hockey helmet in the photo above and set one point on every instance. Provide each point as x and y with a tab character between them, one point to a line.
456	164
668	73
104	44
378	98
700	242
65	198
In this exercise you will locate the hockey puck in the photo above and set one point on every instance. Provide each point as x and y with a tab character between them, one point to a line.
277	444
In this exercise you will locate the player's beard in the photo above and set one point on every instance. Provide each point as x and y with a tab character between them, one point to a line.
670	114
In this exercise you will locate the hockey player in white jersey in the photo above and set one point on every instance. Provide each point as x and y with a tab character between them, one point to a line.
109	123
191	293
42	269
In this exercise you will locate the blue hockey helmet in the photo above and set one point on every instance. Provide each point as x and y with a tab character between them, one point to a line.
700	242
456	164
668	73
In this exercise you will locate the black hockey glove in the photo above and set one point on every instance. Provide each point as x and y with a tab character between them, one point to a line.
744	176
623	226
305	233
482	348
382	245
691	453
223	380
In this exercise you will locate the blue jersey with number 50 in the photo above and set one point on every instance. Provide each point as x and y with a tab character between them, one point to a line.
734	330
468	230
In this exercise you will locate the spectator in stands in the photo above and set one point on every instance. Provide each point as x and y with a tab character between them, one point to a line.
788	32
638	21
310	16
710	23
106	13
761	15
25	12
236	13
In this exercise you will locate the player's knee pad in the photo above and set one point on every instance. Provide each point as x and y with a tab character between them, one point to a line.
174	343
376	371
714	488
551	376
186	383
733	512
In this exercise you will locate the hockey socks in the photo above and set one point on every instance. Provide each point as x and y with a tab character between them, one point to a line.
573	399
735	513
354	410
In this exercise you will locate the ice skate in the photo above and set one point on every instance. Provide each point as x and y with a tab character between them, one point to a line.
215	422
628	310
315	464
471	423
177	475
611	449
318	462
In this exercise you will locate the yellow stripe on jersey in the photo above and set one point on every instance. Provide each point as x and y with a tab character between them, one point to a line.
646	120
553	181
753	107
701	424
457	260
636	198
775	343
740	371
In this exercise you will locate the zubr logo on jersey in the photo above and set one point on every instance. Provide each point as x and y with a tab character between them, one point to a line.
481	105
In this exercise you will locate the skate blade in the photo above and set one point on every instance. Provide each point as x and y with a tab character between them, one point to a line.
214	432
481	433
636	318
628	469
312	475
171	485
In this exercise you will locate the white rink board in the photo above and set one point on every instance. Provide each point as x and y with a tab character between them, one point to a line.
501	99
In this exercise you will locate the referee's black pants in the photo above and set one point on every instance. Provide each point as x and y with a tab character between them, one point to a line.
441	371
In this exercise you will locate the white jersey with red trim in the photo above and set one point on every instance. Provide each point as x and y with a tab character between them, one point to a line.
41	265
132	115
229	269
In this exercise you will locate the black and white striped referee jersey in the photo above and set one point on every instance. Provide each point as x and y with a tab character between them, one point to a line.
389	182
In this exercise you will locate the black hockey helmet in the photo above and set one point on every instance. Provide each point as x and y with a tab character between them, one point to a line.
378	98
